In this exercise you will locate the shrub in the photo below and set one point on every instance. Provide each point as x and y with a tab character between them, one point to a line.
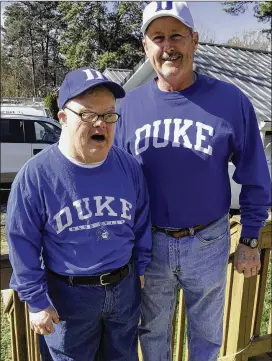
50	101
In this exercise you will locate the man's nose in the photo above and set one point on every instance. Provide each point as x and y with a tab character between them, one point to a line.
99	123
168	44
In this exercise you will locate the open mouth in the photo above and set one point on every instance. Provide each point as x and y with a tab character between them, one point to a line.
98	137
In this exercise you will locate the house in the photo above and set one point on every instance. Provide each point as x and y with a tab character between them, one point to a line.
248	69
117	75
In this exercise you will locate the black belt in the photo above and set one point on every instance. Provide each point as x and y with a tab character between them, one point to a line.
102	280
181	232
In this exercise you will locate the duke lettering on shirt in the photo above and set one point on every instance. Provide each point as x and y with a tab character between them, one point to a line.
101	207
204	133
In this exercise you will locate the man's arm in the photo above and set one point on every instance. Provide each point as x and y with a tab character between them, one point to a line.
24	225
255	197
253	174
142	227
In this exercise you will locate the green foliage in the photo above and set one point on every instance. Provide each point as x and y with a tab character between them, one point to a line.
31	41
5	335
102	34
262	10
16	79
43	40
267	301
51	102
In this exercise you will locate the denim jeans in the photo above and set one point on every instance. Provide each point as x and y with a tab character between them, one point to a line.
198	264
93	317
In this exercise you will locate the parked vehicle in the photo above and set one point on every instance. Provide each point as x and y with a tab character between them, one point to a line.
23	136
26	109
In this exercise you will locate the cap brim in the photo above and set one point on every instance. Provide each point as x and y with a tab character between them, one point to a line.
160	15
115	88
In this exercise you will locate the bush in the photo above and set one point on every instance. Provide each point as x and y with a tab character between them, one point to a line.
50	101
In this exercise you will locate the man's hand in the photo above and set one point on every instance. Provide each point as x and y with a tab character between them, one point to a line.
247	260
142	281
42	322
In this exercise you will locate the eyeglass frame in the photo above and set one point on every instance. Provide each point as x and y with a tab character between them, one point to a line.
98	116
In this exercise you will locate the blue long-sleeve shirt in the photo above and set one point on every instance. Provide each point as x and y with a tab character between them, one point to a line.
184	141
80	221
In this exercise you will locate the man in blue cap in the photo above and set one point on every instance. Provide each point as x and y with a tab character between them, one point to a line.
183	128
80	208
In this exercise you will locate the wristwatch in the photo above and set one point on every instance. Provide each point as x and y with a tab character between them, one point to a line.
250	242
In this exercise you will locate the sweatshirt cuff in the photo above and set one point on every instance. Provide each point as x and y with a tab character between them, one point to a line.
250	231
39	305
140	268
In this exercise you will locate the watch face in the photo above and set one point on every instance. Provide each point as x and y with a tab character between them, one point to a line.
253	243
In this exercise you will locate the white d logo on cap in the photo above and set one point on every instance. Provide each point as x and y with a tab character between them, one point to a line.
93	75
164	5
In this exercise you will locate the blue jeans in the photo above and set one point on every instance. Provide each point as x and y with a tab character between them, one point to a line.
95	319
198	264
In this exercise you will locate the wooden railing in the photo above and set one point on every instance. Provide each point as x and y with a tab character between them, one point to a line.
242	318
24	342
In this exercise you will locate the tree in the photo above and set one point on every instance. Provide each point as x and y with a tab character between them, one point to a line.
31	37
251	39
206	36
262	10
51	102
43	40
15	77
102	34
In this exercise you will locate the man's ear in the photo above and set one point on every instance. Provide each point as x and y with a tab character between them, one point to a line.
195	40
62	117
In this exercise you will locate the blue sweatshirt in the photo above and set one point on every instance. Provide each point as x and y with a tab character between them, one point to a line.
184	141
81	221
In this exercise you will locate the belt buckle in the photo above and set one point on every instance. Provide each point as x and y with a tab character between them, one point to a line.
169	231
101	279
70	281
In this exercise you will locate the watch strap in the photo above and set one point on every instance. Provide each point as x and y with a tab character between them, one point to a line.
250	242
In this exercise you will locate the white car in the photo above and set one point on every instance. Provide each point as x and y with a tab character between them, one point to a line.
266	133
26	109
23	136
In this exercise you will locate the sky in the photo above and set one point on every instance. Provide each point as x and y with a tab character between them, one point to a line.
210	19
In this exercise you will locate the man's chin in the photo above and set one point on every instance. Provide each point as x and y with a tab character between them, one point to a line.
94	156
171	71
94	145
100	151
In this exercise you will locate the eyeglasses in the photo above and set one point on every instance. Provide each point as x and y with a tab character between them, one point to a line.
91	117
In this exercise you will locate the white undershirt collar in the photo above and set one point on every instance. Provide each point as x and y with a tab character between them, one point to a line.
80	164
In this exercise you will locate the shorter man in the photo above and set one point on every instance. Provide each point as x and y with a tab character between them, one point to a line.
82	206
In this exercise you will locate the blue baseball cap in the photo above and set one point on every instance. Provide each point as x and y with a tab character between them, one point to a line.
175	9
78	81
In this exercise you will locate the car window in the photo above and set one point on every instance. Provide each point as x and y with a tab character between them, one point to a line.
12	131
46	132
